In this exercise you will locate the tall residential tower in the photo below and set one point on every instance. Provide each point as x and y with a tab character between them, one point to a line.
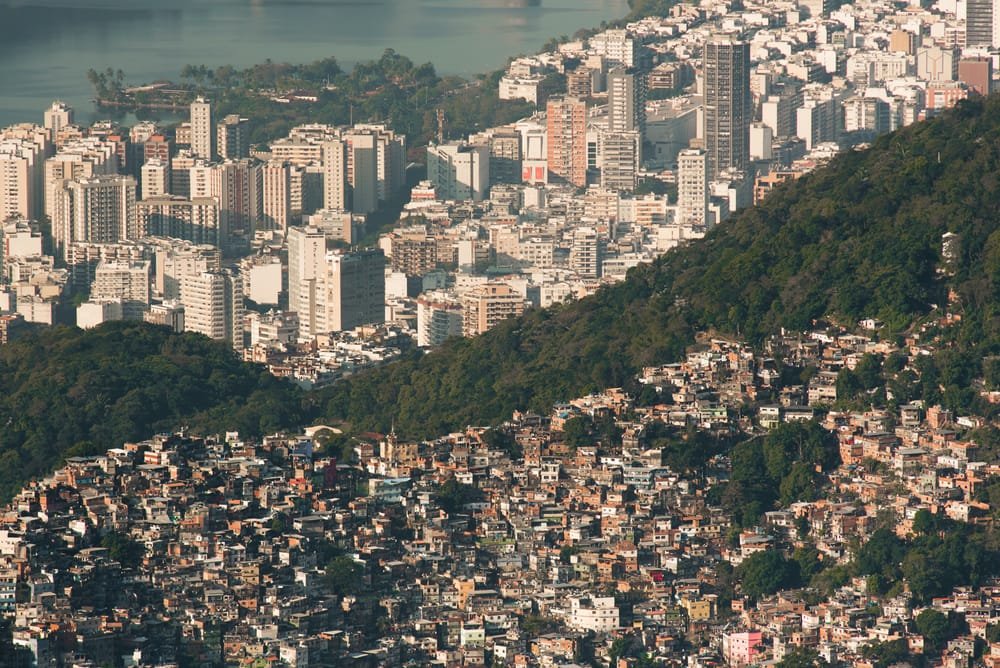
728	110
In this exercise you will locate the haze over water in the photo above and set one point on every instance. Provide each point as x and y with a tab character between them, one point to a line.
47	46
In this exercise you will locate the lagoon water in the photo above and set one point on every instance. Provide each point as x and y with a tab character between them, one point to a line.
46	46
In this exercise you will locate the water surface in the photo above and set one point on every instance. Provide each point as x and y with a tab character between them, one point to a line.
46	46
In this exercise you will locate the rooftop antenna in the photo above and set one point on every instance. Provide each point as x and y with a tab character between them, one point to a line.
440	119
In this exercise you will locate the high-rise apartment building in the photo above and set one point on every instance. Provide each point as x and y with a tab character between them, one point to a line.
80	159
213	305
202	129
21	176
728	109
586	252
306	259
692	187
233	137
439	318
155	178
505	156
415	253
335	186
362	170
176	259
333	290
619	159
982	23
355	289
158	147
56	117
567	140
96	209
616	46
127	281
195	220
487	305
336	225
817	120
626	101
276	213
459	171
390	150
238	187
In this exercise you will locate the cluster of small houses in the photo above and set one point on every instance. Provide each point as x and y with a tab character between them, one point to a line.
562	551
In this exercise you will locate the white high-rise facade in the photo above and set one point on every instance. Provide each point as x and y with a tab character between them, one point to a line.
95	209
23	149
213	305
276	213
127	281
335	192
585	253
459	171
306	258
439	318
155	178
692	187
626	101
202	129
56	117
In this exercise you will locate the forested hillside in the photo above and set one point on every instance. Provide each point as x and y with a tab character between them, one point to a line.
859	238
66	392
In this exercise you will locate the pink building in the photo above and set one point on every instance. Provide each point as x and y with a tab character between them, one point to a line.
743	649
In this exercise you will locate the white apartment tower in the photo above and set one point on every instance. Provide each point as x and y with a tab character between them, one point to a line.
692	187
439	318
213	305
459	171
585	254
23	149
56	117
177	259
155	178
335	192
127	281
306	260
276	212
96	209
202	129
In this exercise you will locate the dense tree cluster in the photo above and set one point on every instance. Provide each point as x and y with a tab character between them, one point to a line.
392	89
944	554
70	392
778	469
